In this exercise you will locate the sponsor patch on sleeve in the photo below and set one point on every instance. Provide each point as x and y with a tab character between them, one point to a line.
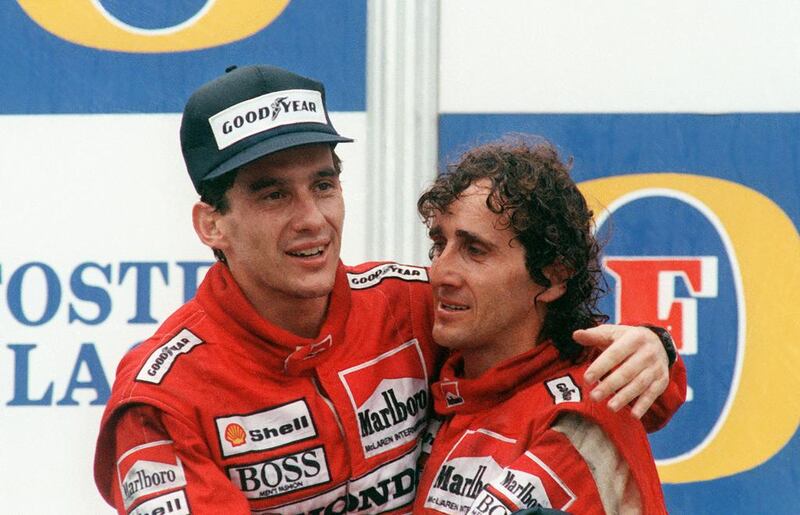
149	469
374	276
173	503
563	389
161	360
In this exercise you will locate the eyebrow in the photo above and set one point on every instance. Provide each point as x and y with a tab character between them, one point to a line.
463	235
264	182
471	237
269	182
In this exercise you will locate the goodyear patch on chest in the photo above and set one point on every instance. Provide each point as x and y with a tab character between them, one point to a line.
374	276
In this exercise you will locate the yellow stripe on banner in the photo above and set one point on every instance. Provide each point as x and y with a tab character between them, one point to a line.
764	408
88	23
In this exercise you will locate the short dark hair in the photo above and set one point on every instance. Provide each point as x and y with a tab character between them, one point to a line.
214	192
532	189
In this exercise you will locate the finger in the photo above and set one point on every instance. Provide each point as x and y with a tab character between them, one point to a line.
620	377
610	358
600	336
630	391
646	400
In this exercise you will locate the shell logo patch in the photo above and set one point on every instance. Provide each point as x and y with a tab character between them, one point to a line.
235	435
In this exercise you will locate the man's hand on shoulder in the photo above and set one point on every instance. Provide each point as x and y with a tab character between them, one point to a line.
633	364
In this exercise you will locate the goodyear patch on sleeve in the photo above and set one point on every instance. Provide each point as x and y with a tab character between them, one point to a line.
161	360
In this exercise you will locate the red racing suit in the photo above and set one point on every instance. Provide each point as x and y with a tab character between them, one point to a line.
222	412
497	452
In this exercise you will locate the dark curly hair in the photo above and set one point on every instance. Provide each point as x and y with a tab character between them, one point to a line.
533	191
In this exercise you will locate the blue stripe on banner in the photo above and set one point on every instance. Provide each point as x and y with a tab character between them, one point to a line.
45	74
760	151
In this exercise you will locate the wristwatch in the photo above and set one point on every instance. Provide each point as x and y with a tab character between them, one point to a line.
666	341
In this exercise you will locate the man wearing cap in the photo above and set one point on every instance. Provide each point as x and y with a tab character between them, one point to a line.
291	383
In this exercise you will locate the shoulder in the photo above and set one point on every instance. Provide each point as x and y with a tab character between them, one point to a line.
157	370
565	396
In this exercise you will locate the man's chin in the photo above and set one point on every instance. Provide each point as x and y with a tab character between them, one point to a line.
448	339
314	289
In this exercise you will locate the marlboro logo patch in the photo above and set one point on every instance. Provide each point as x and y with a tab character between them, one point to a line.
149	469
390	397
478	458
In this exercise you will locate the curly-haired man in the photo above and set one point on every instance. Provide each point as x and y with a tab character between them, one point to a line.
515	273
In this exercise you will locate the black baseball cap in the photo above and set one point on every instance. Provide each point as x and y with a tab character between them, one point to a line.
248	113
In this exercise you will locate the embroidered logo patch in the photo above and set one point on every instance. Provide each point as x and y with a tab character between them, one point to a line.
563	389
374	276
267	112
267	429
281	475
477	458
173	503
387	488
161	360
148	469
389	395
527	483
451	395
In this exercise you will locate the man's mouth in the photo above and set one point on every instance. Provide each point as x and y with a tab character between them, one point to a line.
311	252
452	307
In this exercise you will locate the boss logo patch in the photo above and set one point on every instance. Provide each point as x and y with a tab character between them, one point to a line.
281	475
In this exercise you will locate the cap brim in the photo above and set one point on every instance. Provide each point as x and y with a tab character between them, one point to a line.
272	145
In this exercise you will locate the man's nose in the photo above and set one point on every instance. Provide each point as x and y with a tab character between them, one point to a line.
444	268
307	214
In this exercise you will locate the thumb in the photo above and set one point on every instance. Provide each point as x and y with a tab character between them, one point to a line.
600	336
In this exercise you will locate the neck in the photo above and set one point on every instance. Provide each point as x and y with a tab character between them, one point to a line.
524	338
477	361
301	316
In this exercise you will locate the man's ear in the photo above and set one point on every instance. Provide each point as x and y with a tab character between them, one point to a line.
206	224
558	274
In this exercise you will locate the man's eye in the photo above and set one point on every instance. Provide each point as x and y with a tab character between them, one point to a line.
475	250
436	249
273	195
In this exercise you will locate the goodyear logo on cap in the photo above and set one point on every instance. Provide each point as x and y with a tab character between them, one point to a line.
265	113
